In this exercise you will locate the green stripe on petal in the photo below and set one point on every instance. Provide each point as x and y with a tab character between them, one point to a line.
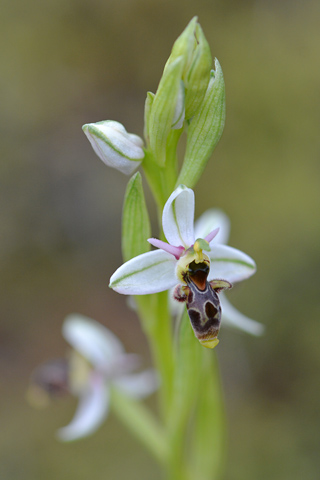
230	264
150	272
114	145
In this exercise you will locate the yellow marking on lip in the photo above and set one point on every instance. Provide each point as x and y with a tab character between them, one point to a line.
209	342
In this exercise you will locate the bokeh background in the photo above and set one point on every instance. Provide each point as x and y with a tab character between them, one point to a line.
69	62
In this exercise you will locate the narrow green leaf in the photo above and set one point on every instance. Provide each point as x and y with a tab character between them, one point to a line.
136	227
205	130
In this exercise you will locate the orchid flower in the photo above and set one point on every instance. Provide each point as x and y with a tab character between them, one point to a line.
97	363
115	146
167	266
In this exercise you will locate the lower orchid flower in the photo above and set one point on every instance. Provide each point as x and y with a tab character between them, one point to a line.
97	363
200	266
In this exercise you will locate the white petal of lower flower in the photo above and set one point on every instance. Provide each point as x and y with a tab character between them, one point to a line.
178	216
150	272
209	220
138	385
90	414
230	264
94	341
233	317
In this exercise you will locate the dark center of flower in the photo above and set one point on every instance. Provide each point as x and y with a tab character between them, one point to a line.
198	274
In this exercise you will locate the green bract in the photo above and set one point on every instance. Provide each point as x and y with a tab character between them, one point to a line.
198	75
194	48
205	130
184	46
147	110
161	116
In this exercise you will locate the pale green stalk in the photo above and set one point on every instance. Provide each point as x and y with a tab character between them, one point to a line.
209	435
186	388
142	424
156	324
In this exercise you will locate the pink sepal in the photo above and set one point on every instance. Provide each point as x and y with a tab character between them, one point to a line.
175	251
212	234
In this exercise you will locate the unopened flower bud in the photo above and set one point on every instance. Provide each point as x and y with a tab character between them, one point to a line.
205	129
115	146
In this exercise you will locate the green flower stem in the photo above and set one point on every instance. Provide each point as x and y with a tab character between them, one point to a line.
156	323
161	180
136	228
142	424
209	435
188	360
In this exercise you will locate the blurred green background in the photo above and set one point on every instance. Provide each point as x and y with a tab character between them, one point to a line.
66	63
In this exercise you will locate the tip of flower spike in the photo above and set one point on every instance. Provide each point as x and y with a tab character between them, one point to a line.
209	342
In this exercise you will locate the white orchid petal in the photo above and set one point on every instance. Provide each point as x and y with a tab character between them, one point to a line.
138	385
230	264
94	341
233	317
136	139
178	216
211	219
114	133
90	414
150	272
